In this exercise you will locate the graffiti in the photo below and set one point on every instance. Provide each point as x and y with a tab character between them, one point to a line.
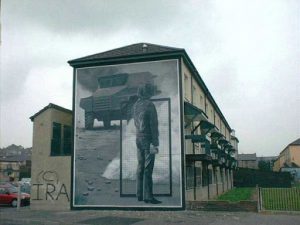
48	176
48	187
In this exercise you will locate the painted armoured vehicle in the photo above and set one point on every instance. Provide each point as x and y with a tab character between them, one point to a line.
113	98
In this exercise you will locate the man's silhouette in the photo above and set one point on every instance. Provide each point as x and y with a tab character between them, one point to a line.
146	123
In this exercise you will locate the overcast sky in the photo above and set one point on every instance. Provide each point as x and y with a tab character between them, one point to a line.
247	52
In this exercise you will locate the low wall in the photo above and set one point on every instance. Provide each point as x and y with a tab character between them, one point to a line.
242	206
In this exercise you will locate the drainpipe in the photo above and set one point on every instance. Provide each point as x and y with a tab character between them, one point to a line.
205	106
216	180
223	180
193	131
195	197
231	178
227	179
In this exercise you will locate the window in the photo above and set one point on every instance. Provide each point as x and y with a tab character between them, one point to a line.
67	140
119	80
222	175
105	82
116	80
186	86
56	139
190	176
204	175
209	176
61	142
194	100
198	177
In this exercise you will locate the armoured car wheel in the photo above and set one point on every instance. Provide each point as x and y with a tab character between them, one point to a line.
89	120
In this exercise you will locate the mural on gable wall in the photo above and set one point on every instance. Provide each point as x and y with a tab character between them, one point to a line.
127	140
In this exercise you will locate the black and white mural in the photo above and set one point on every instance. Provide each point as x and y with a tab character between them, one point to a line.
127	137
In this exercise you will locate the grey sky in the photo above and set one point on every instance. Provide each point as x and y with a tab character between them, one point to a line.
247	52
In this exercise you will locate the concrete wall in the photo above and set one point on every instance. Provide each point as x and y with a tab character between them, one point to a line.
51	175
234	143
289	155
242	206
251	164
294	154
278	164
211	191
194	94
202	193
187	77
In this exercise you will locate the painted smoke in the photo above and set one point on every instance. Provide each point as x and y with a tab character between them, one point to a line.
161	172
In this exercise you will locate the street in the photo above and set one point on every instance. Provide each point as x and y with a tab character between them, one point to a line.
10	216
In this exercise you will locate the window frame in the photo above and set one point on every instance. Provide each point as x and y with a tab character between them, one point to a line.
63	149
190	176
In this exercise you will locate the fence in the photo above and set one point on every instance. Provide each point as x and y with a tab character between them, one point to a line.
279	199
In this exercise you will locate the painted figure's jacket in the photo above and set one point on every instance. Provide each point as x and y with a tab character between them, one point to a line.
145	120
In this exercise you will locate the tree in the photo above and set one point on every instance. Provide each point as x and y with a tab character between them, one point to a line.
264	165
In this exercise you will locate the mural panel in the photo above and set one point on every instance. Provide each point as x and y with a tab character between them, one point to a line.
127	138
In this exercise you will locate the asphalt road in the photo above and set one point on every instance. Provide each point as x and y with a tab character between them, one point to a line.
10	216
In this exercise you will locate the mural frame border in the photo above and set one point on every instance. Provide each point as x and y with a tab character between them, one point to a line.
179	56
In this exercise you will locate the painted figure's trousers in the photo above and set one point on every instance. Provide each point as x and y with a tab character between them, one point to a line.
144	169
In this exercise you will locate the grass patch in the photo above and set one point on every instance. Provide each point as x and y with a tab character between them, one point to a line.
237	194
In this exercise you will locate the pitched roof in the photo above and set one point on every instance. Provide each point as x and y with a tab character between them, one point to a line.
235	138
247	157
51	106
296	142
266	158
15	158
129	50
137	50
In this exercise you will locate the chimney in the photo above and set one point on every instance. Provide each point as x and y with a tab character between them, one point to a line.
145	47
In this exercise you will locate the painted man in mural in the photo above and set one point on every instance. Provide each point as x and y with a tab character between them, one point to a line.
146	123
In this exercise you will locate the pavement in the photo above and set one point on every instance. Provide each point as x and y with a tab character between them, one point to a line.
12	216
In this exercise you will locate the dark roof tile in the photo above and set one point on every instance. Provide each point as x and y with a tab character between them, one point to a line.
129	50
296	142
247	157
137	50
15	158
51	105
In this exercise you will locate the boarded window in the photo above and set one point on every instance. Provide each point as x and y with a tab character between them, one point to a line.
67	140
190	176
222	175
204	175
198	177
210	176
56	139
186	86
